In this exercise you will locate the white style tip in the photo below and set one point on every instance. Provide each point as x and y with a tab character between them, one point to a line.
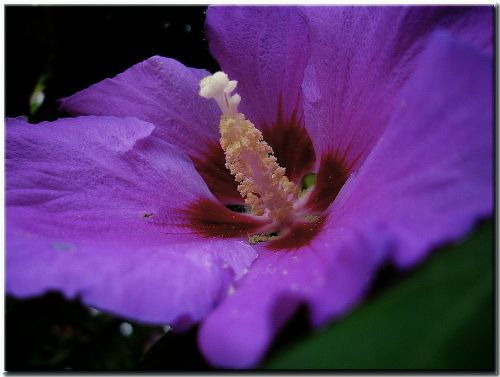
219	87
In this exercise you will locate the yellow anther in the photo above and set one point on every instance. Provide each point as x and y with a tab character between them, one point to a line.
261	181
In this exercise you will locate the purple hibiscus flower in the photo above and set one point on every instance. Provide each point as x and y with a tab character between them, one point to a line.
128	206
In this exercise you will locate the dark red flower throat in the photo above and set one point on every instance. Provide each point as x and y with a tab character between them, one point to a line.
228	217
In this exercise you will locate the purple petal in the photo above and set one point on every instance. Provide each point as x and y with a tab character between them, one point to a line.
429	178
360	59
160	91
426	182
174	283
331	275
99	169
92	211
265	49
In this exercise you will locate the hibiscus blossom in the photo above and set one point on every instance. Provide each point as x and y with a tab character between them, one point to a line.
131	208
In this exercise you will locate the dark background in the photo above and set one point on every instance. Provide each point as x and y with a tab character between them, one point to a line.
73	47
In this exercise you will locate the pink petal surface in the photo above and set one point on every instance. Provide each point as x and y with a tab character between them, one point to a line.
426	182
361	57
92	211
161	91
265	49
430	177
331	274
176	284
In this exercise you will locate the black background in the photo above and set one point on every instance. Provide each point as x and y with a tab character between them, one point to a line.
77	46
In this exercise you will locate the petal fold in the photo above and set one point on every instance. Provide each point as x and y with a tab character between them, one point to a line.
330	276
426	182
161	91
430	177
266	50
361	57
93	211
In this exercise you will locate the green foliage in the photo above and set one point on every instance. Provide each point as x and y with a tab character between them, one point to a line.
37	97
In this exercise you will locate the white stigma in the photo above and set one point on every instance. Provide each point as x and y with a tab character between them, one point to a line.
219	87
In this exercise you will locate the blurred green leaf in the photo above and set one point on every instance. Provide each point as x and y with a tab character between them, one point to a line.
440	317
308	181
38	95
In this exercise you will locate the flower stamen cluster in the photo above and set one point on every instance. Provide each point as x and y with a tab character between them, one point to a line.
261	181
